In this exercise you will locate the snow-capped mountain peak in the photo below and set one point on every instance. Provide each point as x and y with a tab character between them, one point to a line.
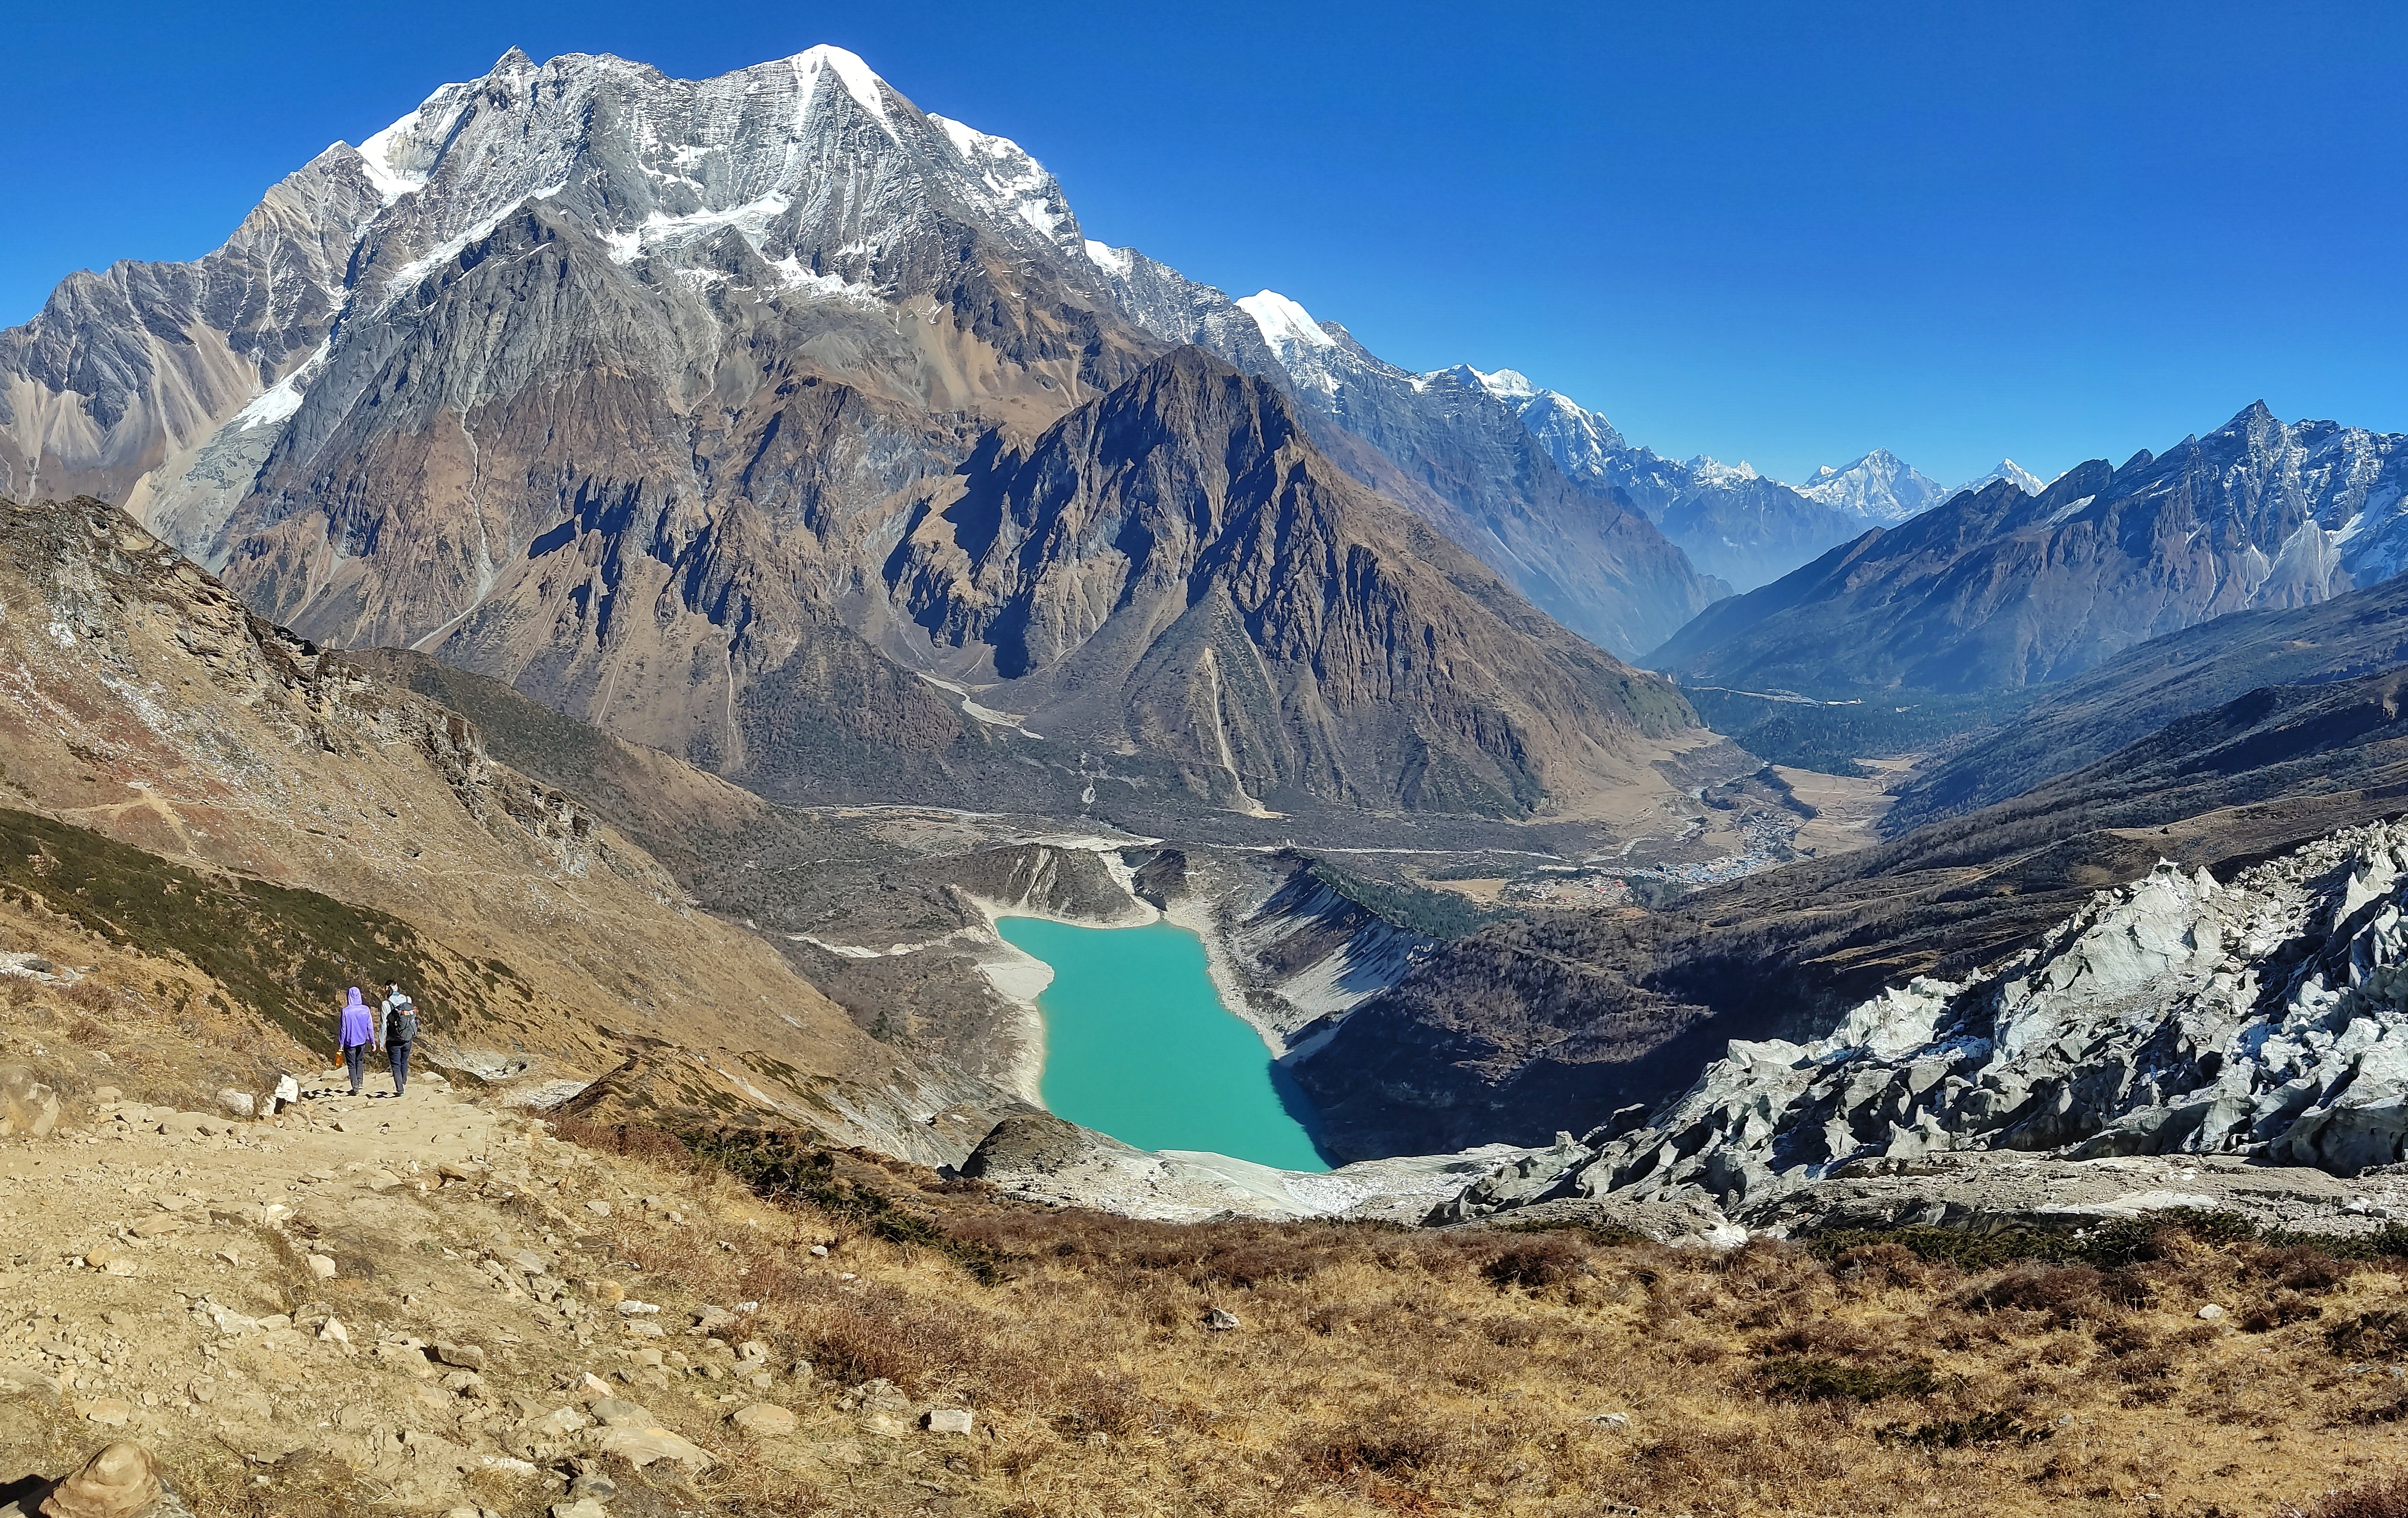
1505	384
859	80
1284	322
1878	487
1714	471
2008	471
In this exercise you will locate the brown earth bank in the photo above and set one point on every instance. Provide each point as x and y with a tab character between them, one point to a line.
199	787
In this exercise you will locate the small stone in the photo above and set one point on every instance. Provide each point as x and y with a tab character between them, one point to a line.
608	1293
1220	1322
630	1308
763	1419
2211	1312
157	1224
119	1481
334	1332
584	1507
600	1210
466	1356
106	1411
1612	1419
237	1103
594	1482
949	1420
819	1251
614	1412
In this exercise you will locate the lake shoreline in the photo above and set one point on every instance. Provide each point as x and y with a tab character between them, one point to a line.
1143	1045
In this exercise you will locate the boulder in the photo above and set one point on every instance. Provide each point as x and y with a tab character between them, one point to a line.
763	1419
615	1412
465	1357
640	1447
28	1105
237	1103
321	1267
120	1481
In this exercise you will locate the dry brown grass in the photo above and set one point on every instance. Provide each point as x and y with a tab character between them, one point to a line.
1385	1370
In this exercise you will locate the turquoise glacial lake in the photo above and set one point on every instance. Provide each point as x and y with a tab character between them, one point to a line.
1138	1046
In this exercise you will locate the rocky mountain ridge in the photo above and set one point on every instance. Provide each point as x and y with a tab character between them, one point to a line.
633	391
2260	1018
1997	590
1448	446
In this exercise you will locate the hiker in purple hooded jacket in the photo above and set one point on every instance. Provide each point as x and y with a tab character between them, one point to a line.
353	1037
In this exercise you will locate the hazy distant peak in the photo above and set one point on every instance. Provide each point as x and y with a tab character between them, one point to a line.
1878	487
2009	471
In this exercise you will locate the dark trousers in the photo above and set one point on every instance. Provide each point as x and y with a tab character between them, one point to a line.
399	1050
353	1057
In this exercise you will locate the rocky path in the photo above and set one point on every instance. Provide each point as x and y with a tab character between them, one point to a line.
422	1291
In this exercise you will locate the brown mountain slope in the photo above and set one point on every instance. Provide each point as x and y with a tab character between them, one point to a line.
1176	569
1528	1027
144	704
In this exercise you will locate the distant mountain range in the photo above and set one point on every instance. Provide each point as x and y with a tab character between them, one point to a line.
2000	589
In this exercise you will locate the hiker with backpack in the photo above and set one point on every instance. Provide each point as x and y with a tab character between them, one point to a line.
396	1030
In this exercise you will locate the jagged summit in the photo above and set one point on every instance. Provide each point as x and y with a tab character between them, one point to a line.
1283	321
2002	588
2009	471
1879	487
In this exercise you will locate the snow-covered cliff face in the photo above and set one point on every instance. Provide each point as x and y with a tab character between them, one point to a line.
834	180
1879	487
2266	1018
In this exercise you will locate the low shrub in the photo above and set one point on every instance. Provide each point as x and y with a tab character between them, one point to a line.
1980	1429
1820	1379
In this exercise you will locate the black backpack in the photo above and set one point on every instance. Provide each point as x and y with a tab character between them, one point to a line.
405	1020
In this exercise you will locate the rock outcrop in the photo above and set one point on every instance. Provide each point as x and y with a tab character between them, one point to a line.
2264	1019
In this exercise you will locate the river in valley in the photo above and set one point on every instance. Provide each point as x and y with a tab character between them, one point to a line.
1138	1045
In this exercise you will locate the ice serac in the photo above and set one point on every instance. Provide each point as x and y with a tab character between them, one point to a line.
1999	589
1446	445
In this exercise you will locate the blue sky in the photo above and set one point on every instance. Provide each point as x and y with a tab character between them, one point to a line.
1783	232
